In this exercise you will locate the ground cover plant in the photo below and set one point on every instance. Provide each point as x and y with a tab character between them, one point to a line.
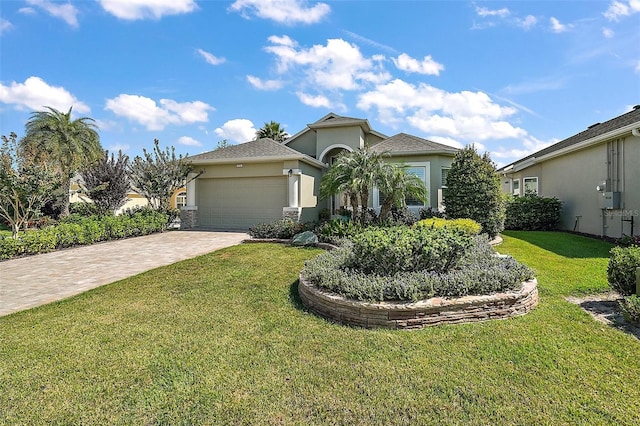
400	264
222	339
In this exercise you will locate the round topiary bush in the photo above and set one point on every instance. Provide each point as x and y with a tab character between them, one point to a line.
621	271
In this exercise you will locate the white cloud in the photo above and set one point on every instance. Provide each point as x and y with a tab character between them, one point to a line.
35	94
536	85
484	12
528	22
337	65
607	32
287	12
619	9
557	26
143	9
462	116
370	42
188	141
526	146
264	84
27	11
65	11
637	68
427	66
319	101
5	25
210	57
237	130
146	112
119	147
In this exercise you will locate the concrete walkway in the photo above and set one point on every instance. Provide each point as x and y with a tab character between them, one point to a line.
36	280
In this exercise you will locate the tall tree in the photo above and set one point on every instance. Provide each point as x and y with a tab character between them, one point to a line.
396	185
158	174
25	186
107	182
71	144
272	130
473	191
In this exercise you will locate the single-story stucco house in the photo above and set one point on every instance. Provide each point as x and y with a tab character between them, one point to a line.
263	181
595	173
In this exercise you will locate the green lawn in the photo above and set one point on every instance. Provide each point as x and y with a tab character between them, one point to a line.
222	339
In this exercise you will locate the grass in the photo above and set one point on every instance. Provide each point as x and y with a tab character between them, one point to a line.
222	339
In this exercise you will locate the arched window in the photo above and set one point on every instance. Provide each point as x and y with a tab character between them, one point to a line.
181	199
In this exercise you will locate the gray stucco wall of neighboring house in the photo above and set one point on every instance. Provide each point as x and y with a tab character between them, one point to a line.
573	179
350	136
370	139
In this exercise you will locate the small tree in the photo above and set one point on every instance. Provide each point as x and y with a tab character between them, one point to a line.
473	191
272	130
25	186
107	182
158	175
222	144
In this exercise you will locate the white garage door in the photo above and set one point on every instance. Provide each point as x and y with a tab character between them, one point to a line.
238	203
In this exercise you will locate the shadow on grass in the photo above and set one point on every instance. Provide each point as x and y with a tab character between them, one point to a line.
294	297
564	244
606	309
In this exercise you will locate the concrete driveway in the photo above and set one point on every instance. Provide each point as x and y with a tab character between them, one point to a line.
36	280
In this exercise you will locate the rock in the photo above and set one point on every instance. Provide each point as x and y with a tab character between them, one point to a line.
306	238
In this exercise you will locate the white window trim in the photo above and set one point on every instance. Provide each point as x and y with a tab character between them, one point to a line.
524	185
441	169
427	178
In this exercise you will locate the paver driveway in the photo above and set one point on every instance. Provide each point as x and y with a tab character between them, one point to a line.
37	280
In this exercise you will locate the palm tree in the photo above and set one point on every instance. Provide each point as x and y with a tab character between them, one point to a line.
273	131
397	185
353	173
70	145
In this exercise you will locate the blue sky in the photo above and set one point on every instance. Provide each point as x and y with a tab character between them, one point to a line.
510	77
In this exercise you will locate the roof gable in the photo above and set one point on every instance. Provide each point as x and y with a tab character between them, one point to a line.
403	143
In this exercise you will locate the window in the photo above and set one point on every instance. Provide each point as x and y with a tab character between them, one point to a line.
421	173
181	199
515	187
444	173
530	185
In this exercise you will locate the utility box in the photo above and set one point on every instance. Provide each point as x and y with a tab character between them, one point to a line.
611	200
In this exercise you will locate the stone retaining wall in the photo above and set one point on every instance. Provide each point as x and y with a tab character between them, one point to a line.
412	315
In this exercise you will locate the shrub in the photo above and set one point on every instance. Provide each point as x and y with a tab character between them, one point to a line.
479	272
473	191
532	213
282	229
429	212
387	251
629	241
621	271
467	226
82	208
402	216
337	230
77	230
631	308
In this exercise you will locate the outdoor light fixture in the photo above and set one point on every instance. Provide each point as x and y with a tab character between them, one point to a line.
290	172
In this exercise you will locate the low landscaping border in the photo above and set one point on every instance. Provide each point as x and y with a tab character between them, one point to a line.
416	315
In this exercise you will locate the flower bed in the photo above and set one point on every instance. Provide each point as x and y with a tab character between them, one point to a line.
420	314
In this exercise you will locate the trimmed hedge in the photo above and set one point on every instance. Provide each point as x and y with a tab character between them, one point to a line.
467	226
532	213
478	272
631	308
80	230
621	271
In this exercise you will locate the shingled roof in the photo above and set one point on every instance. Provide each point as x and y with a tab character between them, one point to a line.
264	148
404	143
591	132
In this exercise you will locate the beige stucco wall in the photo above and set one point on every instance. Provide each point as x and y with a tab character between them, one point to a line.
350	136
573	178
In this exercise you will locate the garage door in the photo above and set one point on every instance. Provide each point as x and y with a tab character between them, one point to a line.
238	203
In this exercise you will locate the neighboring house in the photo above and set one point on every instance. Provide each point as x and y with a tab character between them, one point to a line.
263	180
134	200
596	175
